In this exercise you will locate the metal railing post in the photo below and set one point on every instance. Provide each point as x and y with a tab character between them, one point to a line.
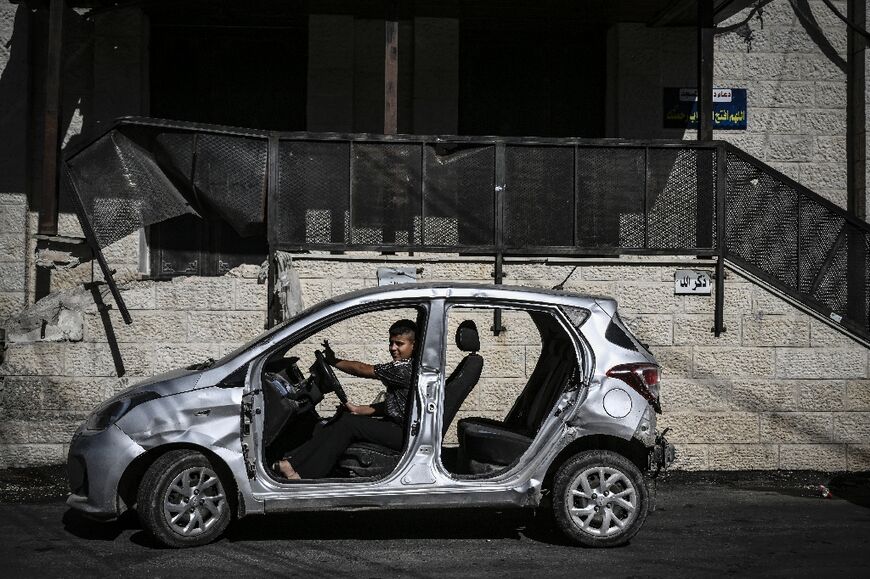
721	250
498	274
271	193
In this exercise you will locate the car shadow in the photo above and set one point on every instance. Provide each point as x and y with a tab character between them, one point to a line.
852	486
82	527
399	524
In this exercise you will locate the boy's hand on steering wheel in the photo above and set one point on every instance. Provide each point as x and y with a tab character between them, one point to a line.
328	354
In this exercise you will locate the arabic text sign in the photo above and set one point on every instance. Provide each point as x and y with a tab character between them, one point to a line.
690	281
680	108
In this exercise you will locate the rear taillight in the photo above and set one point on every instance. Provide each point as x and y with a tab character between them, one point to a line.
643	378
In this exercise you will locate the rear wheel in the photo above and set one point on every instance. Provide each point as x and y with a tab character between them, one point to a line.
182	501
600	499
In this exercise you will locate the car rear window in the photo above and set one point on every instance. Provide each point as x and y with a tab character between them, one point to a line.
616	335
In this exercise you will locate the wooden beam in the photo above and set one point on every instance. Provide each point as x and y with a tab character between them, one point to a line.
705	70
51	121
391	71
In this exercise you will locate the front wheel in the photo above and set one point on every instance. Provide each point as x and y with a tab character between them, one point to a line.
182	501
600	499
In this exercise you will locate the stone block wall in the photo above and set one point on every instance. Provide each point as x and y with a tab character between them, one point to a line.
796	89
13	262
796	92
778	390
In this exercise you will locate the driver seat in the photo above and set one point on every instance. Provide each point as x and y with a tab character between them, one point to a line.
367	459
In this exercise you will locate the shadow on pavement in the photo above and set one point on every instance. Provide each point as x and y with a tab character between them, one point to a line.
852	486
389	525
84	528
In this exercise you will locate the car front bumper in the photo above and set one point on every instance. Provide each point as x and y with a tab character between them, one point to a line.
95	465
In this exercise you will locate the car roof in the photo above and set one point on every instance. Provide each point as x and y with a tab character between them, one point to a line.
445	289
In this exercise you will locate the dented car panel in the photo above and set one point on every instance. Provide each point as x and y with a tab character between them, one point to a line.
219	412
97	461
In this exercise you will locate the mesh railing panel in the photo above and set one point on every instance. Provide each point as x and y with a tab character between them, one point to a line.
387	186
175	152
681	198
798	242
761	226
867	283
819	237
312	200
539	196
231	174
121	188
610	197
459	197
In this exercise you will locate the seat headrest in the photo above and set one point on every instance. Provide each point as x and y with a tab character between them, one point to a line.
466	337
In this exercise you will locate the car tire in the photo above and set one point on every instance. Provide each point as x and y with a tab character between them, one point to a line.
594	514
182	501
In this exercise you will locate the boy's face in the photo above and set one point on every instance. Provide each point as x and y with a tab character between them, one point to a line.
402	346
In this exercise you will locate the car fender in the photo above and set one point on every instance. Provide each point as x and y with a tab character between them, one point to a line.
592	417
206	418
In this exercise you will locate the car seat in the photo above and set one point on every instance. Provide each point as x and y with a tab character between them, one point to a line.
486	445
367	459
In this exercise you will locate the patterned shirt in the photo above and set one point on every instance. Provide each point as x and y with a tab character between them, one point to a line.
397	377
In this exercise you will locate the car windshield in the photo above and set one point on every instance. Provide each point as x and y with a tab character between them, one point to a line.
267	335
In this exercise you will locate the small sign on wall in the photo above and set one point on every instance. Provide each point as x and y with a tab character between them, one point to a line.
680	107
690	281
396	275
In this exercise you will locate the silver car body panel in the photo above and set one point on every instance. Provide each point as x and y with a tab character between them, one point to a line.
194	410
108	452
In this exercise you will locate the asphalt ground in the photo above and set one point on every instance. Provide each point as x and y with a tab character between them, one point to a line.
705	524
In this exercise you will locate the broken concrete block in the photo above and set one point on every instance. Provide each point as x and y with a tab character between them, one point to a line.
57	317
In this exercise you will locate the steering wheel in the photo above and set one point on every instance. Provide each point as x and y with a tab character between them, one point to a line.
328	374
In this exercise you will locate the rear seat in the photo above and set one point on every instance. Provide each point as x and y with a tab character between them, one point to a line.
487	445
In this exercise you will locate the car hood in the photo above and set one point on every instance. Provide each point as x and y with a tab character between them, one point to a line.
166	384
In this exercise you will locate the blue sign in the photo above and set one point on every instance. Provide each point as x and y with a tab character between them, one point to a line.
681	108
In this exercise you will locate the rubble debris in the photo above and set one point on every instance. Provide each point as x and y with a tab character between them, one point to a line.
56	259
58	317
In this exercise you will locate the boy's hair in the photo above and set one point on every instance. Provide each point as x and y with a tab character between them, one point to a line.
402	327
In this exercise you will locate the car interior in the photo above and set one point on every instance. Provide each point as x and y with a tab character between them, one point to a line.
487	446
294	405
479	444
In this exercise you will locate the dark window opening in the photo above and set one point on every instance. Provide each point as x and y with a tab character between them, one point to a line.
230	74
229	66
188	245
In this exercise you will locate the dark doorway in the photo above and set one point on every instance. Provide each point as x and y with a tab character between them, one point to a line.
535	76
243	76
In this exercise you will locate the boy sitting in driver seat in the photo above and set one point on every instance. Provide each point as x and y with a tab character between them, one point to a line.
382	423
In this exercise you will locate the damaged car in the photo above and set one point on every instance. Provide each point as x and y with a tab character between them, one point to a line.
559	409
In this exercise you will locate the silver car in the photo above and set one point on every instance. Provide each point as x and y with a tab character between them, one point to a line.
192	449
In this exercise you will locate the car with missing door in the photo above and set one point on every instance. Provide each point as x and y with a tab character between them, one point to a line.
553	403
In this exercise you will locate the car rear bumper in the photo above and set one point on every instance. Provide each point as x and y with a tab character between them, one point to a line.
95	465
662	454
